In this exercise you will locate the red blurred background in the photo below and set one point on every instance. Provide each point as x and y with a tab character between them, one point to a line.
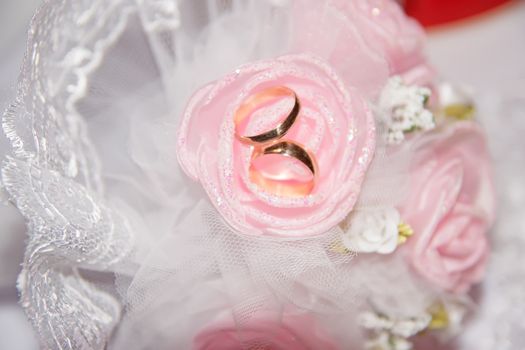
436	12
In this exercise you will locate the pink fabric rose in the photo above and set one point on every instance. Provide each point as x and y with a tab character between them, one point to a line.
365	40
451	206
401	39
269	331
334	124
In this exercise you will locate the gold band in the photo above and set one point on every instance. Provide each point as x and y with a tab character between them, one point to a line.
253	102
268	143
277	186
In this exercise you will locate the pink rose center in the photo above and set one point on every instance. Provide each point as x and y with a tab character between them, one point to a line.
459	240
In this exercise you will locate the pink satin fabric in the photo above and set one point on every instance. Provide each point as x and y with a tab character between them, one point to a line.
335	125
269	331
366	41
451	206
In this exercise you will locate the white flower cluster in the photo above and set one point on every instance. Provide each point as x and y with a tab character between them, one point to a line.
392	334
402	109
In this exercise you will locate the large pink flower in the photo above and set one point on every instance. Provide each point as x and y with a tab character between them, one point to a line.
270	331
334	124
365	40
451	206
401	39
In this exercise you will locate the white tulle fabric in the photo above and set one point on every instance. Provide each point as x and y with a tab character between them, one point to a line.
94	171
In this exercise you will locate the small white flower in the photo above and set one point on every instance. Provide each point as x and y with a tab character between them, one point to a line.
370	231
402	109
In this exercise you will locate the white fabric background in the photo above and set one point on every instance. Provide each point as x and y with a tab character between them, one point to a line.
487	54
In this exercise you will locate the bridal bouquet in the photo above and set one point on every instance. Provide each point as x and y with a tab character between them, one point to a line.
244	174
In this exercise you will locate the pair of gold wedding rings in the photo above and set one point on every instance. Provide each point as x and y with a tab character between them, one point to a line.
271	142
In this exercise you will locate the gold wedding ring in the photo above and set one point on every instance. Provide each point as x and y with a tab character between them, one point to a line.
271	143
255	101
278	185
